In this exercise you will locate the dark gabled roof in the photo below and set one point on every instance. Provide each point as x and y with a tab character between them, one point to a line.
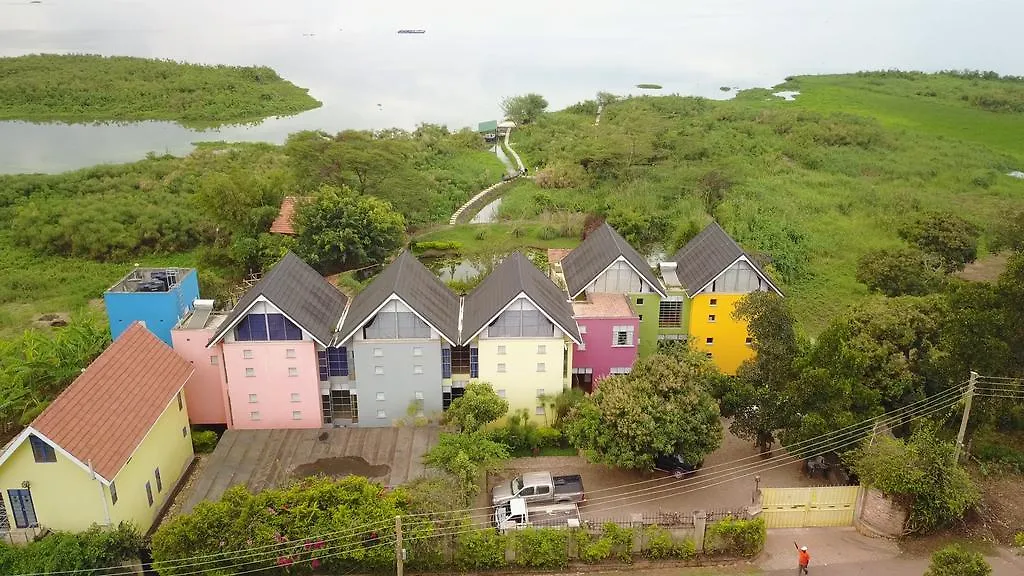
602	247
301	293
516	275
418	287
706	256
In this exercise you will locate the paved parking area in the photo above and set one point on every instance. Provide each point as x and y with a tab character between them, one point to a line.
262	459
717	486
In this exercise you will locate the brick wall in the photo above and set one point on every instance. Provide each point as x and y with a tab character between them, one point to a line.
880	515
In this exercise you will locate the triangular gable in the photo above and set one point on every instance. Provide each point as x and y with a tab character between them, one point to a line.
578	341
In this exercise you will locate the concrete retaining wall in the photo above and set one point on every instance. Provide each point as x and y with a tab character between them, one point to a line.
880	516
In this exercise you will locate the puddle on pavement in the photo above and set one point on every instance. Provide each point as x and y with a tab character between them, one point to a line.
340	466
787	95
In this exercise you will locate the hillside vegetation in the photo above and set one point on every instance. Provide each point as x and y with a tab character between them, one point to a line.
66	237
808	185
88	88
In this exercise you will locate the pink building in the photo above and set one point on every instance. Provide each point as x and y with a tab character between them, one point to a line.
610	330
206	390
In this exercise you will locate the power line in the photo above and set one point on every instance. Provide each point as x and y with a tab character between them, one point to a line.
944	400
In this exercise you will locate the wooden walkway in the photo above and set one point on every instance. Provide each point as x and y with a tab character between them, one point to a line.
262	459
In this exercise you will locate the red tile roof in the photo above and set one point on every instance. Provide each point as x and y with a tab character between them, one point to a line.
555	255
600	305
283	223
108	410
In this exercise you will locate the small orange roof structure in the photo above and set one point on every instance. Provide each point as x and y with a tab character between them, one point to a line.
103	416
555	255
283	223
598	305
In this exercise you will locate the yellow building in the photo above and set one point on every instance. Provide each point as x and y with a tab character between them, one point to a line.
523	328
716	274
111	448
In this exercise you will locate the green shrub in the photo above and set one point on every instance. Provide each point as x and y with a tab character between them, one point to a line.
548	233
541	547
523	436
621	540
436	246
73	552
955	561
732	536
658	543
481	550
1018	540
204	441
686	550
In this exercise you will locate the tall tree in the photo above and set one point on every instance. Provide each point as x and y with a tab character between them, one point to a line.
904	272
662	407
524	109
477	407
949	237
760	399
339	229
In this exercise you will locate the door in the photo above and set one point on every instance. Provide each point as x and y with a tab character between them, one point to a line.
23	509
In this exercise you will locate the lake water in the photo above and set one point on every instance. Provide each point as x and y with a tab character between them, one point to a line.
474	53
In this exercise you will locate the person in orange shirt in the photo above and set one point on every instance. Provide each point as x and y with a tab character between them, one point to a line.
803	558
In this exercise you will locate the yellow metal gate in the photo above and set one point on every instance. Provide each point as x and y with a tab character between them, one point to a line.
800	507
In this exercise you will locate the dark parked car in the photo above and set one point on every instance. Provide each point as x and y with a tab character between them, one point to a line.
675	465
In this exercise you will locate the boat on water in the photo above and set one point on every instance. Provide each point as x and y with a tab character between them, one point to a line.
408	31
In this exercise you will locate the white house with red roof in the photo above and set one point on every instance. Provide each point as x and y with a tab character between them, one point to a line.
111	448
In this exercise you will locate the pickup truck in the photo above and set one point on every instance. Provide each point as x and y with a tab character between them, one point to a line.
537	487
515	514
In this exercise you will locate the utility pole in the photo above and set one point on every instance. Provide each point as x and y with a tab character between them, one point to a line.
399	551
967	414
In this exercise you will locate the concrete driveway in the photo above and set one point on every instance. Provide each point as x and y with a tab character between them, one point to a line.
262	459
610	498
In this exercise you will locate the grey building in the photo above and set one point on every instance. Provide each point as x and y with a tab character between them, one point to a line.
395	331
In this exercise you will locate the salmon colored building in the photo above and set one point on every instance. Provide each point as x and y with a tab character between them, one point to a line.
111	448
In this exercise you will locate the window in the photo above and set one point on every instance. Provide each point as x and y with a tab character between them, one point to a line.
670	314
542	348
213	360
501	393
113	493
378	370
332	362
266	327
501	366
711	317
381	413
393	321
417	369
540	411
446	362
709	341
289	352
253	399
713	302
250	372
255	416
521	320
749	341
622	336
293	371
41	451
159	481
640	317
296	397
149	493
296	414
501	351
583	329
184	431
474	362
181	405
380	397
378	352
708	355
247	354
620	370
582	346
639	301
417	351
417	395
541	367
540	392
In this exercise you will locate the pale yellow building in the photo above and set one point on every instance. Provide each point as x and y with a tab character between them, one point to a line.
111	448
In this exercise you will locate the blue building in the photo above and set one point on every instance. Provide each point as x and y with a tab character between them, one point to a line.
159	297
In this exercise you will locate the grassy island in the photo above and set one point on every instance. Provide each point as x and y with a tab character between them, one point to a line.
88	88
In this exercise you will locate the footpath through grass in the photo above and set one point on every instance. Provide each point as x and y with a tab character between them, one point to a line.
87	88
